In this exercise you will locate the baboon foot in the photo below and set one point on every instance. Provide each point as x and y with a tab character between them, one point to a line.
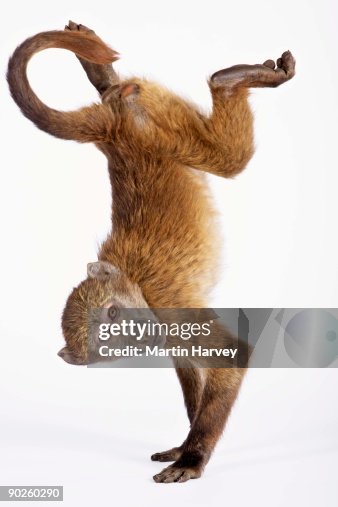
256	76
101	76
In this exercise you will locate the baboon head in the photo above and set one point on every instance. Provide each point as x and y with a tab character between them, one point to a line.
101	297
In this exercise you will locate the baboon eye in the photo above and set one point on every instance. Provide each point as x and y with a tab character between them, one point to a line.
113	312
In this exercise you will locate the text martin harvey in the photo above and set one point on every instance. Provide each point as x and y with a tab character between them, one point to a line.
194	351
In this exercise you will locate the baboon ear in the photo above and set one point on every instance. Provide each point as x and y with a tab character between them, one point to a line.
68	356
100	270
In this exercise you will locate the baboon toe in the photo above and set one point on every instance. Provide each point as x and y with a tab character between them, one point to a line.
269	63
287	63
74	27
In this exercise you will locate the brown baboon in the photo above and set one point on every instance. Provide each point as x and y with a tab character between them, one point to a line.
163	248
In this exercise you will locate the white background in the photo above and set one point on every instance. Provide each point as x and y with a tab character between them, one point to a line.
94	430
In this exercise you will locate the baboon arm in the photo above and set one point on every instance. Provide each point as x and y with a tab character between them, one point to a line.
191	380
219	395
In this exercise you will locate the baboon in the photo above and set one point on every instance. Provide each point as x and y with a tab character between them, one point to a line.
163	249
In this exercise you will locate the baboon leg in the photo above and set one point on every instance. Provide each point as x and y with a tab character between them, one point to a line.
102	77
222	143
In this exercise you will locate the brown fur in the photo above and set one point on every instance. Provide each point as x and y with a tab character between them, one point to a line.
87	124
164	239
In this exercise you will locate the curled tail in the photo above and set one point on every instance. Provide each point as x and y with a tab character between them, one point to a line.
84	125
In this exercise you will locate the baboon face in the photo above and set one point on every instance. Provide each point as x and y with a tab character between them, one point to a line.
100	298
